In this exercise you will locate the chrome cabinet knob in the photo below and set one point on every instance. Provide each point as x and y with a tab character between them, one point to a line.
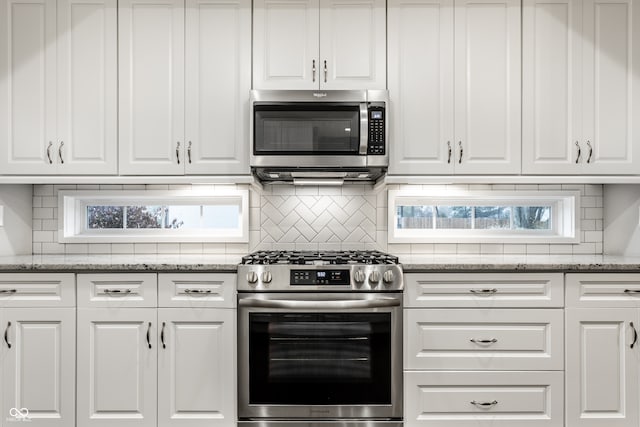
374	277
358	276
388	276
252	277
266	276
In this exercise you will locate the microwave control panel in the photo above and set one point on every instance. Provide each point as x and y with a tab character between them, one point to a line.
376	143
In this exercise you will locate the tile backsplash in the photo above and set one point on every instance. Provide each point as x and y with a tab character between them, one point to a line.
327	218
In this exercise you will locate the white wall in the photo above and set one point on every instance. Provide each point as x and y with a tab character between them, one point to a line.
16	233
622	220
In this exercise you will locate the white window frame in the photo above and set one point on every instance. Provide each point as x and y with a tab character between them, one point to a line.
565	206
72	216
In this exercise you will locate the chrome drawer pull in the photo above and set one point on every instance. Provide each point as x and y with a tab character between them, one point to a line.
484	404
8	291
6	335
197	291
117	291
148	335
635	335
483	291
491	341
162	335
632	291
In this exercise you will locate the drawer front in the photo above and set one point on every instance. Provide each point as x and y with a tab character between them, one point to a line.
118	290
37	290
493	290
496	399
603	290
484	339
197	290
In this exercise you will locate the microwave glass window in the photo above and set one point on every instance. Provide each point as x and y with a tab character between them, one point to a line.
306	130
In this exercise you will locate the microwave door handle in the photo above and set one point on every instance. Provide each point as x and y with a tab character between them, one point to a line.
320	305
364	128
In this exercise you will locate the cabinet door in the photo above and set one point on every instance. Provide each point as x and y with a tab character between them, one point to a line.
611	85
488	86
38	369
218	81
27	86
117	367
353	44
196	368
87	140
421	86
151	80
601	368
285	44
552	93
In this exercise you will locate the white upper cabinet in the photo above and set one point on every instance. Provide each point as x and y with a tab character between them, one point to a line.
184	88
455	88
487	86
151	53
421	86
58	109
218	81
311	44
581	88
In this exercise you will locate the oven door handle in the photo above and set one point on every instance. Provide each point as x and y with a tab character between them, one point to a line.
320	305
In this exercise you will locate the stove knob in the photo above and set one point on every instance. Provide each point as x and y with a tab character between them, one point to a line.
266	277
358	276
374	277
252	277
387	277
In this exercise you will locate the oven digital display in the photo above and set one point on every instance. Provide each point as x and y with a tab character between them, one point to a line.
320	277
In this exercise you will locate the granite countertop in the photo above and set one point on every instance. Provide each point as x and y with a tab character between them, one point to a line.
215	263
410	263
576	263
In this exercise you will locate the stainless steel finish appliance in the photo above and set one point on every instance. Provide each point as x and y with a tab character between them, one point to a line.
320	339
303	135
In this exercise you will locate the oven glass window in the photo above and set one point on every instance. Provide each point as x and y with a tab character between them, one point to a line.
320	358
306	129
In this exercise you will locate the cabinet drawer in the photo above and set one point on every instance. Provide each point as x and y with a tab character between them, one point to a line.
484	339
603	290
118	290
483	290
197	290
512	399
37	290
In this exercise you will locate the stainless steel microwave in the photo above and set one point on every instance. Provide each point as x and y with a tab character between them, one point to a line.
334	134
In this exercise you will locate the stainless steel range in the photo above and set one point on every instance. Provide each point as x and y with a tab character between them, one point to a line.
320	339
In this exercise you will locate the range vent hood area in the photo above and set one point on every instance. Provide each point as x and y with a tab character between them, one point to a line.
317	176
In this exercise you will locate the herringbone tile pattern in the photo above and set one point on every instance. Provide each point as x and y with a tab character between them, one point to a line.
318	219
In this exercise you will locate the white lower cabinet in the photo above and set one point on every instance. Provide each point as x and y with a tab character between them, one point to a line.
483	398
603	358
117	367
196	367
38	366
494	356
139	365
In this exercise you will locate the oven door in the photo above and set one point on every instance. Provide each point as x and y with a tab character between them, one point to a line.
320	356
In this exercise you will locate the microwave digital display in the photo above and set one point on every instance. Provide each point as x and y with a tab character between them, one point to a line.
376	115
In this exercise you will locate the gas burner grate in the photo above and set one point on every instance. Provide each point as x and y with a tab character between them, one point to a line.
319	257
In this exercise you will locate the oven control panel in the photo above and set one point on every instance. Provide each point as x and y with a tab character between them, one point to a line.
320	277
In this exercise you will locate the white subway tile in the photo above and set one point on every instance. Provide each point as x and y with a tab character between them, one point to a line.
76	248
191	248
43	213
145	248
491	248
585	248
36	248
588	224
560	249
43	190
422	248
514	249
399	248
122	248
100	248
36	202
538	249
36	224
593	190
445	248
50	224
468	248
593	213
237	248
52	248
593	236
43	236
214	248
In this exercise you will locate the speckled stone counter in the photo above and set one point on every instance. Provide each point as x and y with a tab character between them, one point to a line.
229	263
92	263
453	263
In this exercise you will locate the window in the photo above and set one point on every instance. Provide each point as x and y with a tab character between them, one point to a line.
518	216
153	216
